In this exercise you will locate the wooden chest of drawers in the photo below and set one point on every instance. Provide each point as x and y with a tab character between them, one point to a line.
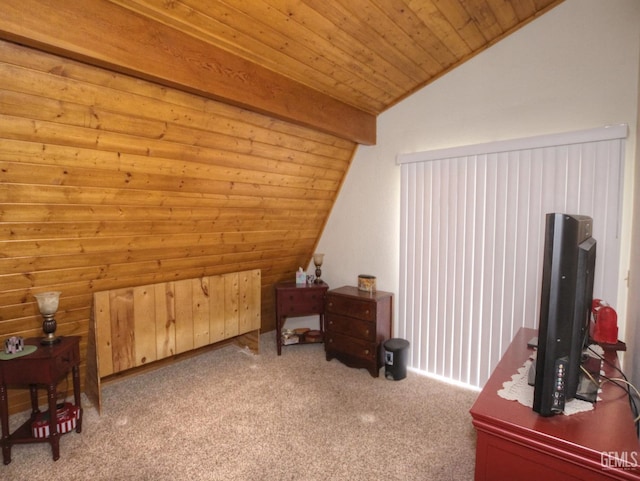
356	325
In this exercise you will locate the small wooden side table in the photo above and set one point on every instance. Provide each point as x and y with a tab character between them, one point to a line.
47	366
296	301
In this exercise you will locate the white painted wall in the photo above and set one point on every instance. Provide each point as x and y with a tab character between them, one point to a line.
574	68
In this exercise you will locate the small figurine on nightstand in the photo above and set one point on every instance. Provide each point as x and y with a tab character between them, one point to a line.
13	344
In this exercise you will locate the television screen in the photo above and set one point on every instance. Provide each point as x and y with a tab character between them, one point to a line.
565	306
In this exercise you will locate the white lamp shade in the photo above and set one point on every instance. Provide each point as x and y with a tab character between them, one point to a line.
48	302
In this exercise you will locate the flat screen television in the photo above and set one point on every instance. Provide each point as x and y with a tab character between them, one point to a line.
565	307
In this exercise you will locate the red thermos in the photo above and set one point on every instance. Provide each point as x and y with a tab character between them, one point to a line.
606	325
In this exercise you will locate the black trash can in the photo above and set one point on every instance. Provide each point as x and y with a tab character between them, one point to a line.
396	354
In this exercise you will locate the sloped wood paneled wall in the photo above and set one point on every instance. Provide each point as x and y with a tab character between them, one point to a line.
107	181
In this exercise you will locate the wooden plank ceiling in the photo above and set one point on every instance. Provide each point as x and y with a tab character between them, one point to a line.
332	65
366	53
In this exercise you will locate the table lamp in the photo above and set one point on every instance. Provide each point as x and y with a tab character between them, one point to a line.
317	260
48	305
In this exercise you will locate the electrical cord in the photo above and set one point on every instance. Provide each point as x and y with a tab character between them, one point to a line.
616	380
627	387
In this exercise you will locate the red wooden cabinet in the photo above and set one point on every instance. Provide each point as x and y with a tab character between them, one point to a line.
514	442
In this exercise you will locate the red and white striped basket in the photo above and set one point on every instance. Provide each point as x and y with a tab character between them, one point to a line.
67	417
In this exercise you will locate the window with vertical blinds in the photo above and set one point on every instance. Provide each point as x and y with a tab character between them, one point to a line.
472	236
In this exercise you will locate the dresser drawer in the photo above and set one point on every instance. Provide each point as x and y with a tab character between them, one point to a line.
350	326
351	346
351	307
300	302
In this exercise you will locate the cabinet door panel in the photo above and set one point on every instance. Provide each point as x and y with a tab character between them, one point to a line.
122	329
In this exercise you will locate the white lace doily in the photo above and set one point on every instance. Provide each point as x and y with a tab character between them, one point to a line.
518	389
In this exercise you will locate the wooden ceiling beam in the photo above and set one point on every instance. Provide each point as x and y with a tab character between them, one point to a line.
107	35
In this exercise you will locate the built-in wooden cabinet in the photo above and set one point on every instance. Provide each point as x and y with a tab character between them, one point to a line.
136	326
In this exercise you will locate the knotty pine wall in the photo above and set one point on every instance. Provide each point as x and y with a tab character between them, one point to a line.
108	181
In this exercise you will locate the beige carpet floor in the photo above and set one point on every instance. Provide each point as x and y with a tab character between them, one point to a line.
233	415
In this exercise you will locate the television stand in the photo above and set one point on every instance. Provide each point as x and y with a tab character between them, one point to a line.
515	442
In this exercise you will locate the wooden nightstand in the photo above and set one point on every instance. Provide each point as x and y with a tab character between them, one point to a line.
357	324
296	301
47	366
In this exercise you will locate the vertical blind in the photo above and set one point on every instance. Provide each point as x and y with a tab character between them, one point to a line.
472	237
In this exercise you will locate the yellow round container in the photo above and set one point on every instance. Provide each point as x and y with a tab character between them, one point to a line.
366	283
